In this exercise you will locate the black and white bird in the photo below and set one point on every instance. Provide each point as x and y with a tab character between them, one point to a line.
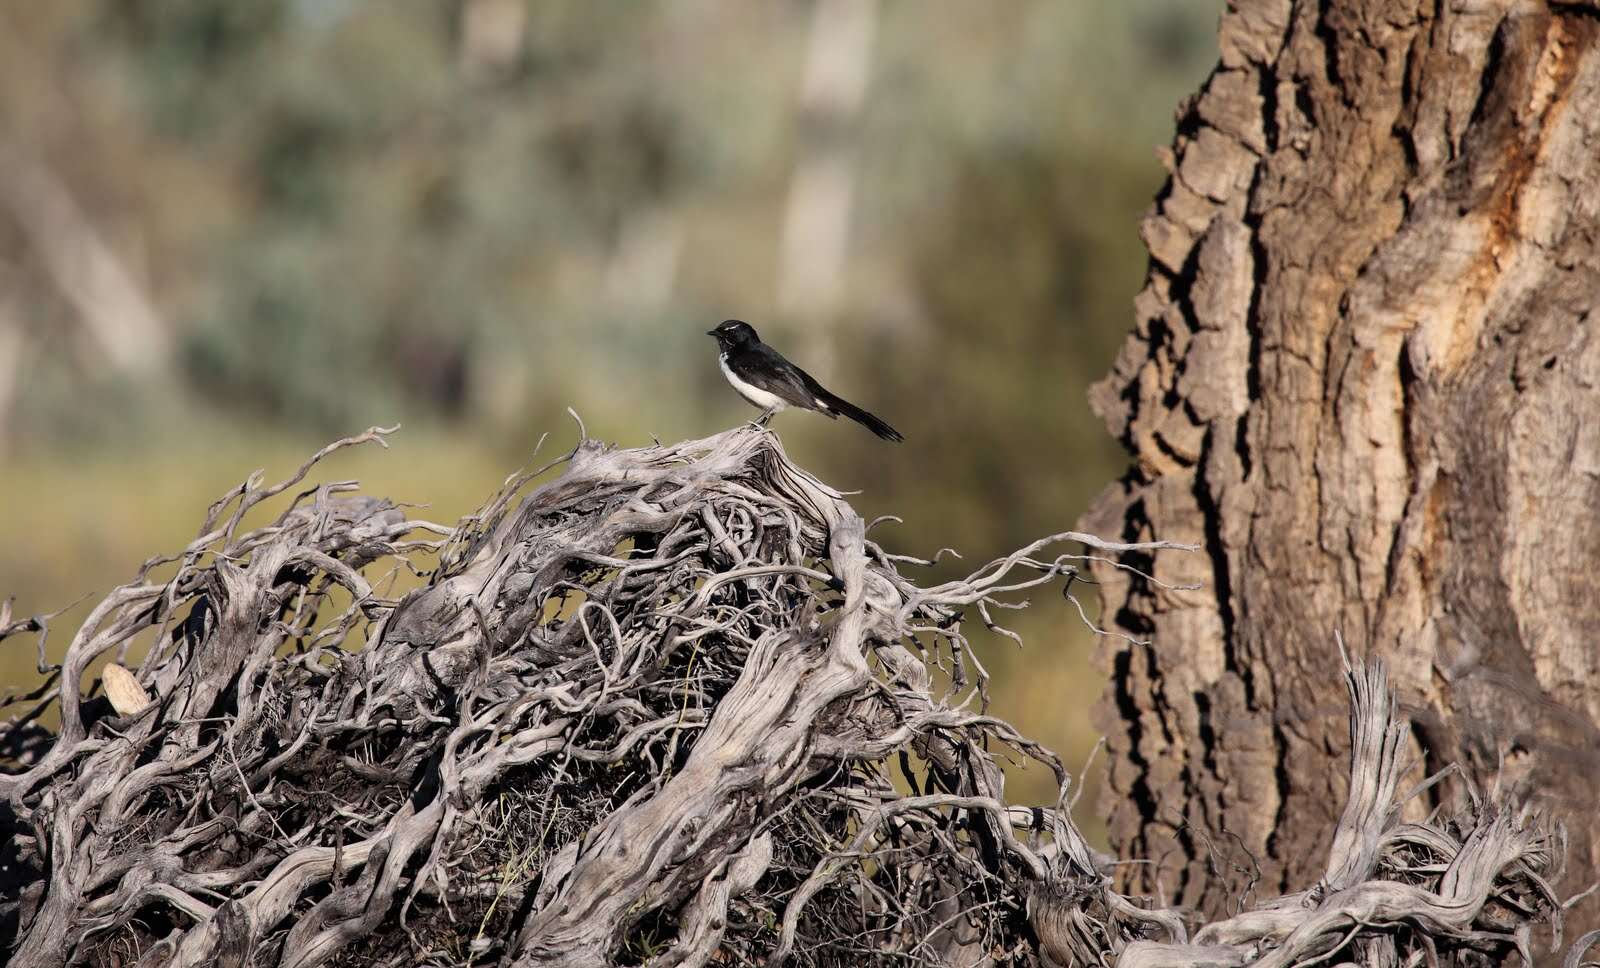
762	376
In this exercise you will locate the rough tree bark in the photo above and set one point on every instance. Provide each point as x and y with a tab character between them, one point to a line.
1365	374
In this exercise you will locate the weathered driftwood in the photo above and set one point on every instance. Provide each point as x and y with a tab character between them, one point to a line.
675	707
1393	893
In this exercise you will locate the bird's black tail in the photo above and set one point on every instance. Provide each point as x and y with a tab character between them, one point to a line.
860	416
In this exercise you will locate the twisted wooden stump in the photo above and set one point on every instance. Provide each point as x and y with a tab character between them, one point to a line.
675	707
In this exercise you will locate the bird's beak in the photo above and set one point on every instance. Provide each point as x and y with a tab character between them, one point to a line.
711	332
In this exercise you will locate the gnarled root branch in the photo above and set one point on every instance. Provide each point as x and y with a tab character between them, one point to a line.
673	706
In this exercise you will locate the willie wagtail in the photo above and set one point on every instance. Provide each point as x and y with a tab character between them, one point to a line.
762	376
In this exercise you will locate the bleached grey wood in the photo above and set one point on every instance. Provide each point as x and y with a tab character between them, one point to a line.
671	706
322	767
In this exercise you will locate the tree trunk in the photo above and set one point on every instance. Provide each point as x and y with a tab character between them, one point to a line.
1365	375
816	224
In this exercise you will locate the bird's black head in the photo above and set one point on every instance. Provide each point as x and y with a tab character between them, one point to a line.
733	332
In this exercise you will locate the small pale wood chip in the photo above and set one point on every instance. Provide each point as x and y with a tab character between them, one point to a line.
124	691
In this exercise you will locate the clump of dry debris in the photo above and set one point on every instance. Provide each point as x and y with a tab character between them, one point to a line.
673	706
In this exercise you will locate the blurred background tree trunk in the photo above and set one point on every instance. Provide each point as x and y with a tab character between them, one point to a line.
1366	376
816	222
112	308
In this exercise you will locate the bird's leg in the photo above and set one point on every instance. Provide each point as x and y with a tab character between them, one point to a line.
760	423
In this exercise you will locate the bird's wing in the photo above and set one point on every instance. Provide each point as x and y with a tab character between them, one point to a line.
778	376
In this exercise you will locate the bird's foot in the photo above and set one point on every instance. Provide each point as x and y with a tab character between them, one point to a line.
760	423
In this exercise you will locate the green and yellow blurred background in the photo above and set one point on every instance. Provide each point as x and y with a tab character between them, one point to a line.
233	230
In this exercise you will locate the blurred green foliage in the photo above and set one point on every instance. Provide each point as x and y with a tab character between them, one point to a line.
347	213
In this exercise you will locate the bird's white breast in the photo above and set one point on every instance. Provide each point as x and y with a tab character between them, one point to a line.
754	394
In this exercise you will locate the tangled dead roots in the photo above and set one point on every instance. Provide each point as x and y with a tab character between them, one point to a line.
672	707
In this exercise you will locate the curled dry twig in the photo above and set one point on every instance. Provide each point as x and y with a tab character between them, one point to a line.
672	708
